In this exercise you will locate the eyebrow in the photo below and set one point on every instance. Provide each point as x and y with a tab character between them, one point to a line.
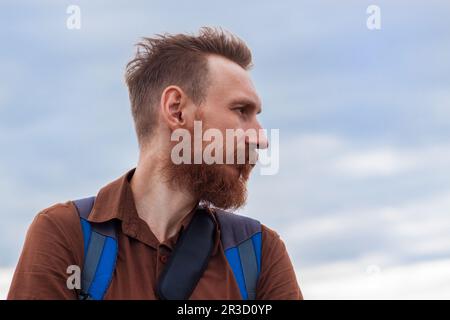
246	103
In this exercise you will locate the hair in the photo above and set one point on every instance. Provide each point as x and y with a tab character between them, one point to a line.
181	60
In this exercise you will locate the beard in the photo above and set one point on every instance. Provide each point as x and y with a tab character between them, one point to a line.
222	186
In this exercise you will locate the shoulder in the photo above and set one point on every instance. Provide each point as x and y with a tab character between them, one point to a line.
52	244
270	235
58	217
231	219
235	228
59	224
235	223
273	245
278	280
269	231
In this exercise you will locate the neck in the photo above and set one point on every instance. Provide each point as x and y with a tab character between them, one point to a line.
157	203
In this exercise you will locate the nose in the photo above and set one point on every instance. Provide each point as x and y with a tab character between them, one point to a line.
263	143
259	140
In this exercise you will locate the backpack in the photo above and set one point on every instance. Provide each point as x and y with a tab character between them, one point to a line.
240	237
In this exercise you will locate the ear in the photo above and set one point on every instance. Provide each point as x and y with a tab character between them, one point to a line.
173	106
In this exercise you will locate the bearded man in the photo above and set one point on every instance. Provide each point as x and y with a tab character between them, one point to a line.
160	231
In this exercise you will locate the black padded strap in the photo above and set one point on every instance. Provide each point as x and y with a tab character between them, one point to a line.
189	258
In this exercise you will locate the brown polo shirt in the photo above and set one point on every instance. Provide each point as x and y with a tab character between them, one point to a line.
55	241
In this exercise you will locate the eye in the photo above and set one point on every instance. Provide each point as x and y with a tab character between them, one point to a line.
240	110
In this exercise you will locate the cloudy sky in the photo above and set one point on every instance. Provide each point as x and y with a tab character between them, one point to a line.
362	195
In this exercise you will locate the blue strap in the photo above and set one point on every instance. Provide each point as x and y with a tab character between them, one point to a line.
104	269
100	252
245	261
92	259
241	240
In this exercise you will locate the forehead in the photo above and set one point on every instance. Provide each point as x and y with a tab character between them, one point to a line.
229	81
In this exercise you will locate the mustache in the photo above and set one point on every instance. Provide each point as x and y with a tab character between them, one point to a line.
251	156
245	170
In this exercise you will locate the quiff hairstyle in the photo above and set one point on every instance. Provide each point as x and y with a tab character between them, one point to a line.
180	60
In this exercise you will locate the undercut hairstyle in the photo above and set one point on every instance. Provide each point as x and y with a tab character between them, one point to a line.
180	60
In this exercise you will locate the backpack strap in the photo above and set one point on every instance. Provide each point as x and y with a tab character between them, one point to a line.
189	258
100	252
241	240
240	237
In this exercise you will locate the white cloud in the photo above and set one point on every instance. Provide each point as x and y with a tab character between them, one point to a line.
382	162
359	280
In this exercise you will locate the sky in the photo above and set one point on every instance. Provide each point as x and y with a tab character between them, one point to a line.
362	195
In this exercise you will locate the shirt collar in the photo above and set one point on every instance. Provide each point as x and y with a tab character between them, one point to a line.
115	201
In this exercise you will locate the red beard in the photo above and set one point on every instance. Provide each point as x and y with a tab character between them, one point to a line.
220	185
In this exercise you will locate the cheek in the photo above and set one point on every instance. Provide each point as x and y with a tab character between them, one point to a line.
221	120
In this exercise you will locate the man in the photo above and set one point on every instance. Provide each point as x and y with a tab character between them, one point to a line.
175	81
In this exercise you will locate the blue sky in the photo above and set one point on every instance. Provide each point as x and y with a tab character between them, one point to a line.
364	119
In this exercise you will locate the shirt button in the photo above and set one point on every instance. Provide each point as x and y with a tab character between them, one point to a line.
163	259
